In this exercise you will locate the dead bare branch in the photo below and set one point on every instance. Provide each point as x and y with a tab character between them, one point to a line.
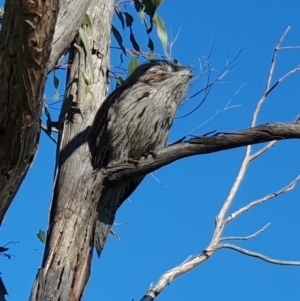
172	42
202	145
258	255
269	79
172	274
268	197
246	237
226	107
262	151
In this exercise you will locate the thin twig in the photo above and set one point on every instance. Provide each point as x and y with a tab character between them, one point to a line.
246	237
258	255
289	48
227	107
297	69
228	66
171	44
273	62
269	79
269	197
262	151
46	131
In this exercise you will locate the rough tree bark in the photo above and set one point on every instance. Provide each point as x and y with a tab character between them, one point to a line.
28	25
68	21
201	145
67	258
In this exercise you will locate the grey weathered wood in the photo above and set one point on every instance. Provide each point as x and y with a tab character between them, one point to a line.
198	146
68	22
202	145
77	188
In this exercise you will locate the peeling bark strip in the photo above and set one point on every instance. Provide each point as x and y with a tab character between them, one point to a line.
25	46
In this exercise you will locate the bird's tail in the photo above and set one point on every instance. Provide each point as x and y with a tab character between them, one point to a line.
109	203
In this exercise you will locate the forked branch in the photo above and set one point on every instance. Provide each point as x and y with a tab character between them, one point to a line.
222	141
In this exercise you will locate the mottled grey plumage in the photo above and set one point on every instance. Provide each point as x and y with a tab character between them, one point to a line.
132	121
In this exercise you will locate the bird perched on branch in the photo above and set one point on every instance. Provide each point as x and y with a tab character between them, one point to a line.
134	120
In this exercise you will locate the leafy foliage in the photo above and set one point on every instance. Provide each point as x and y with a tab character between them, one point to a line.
118	38
146	11
56	84
41	236
86	22
133	63
85	42
161	32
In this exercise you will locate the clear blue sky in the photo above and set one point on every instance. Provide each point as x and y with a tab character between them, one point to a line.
171	215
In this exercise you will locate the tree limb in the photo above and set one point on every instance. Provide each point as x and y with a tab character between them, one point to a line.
245	237
254	135
202	145
266	198
257	255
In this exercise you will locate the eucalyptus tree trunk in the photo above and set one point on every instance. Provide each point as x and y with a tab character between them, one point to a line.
25	44
66	264
34	35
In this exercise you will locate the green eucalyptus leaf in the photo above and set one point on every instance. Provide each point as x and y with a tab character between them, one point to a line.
150	55
133	63
128	19
120	81
134	43
149	8
47	112
151	49
157	3
41	236
91	92
86	46
118	38
85	77
150	44
56	95
161	32
141	15
55	81
120	16
88	25
138	5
